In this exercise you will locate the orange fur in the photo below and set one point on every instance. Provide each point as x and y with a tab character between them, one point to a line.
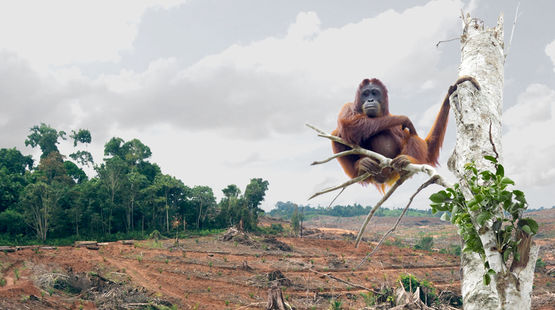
387	133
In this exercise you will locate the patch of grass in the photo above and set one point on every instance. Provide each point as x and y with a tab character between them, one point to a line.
336	304
540	265
369	298
151	244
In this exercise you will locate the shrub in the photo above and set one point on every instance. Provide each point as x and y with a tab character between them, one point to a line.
427	292
425	243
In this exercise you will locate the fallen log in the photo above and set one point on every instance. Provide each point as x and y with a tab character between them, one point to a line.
79	244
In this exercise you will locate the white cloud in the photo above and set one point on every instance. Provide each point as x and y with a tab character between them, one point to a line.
528	145
62	32
307	24
279	83
550	51
394	46
266	90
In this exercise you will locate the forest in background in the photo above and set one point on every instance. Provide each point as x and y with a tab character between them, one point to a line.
129	196
286	210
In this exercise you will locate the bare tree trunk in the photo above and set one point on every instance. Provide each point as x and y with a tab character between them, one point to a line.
275	299
478	121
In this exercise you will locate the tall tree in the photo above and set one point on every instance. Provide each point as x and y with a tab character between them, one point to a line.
13	168
296	221
254	195
112	174
42	197
478	118
136	183
45	137
205	202
81	136
229	205
168	186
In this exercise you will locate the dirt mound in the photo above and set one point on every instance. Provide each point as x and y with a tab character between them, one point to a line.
233	234
274	244
103	292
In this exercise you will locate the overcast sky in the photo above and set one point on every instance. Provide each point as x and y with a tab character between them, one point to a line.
220	90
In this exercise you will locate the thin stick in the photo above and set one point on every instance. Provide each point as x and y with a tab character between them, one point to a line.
343	281
444	41
431	180
512	31
344	185
341	192
400	181
340	154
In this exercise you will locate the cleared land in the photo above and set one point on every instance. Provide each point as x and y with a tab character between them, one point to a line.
212	273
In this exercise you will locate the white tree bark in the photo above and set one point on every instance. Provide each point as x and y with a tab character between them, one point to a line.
478	122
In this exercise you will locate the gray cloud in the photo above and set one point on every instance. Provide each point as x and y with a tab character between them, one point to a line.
26	99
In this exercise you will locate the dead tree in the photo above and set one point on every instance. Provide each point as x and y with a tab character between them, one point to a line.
488	282
478	121
275	299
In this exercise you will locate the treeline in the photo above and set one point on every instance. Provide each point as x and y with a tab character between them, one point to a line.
285	210
127	195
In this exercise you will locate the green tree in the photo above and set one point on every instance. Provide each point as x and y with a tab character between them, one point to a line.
296	221
136	183
13	169
228	215
254	195
112	175
203	198
41	199
81	136
12	222
82	157
133	152
14	162
168	187
76	173
248	206
45	137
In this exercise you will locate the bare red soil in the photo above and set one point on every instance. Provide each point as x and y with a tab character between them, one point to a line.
209	273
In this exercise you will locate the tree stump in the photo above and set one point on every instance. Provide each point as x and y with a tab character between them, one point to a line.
275	299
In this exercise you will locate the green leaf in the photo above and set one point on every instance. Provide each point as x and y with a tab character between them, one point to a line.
526	229
487	279
486	175
530	223
490	158
506	181
445	217
483	217
500	171
439	207
439	197
506	256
